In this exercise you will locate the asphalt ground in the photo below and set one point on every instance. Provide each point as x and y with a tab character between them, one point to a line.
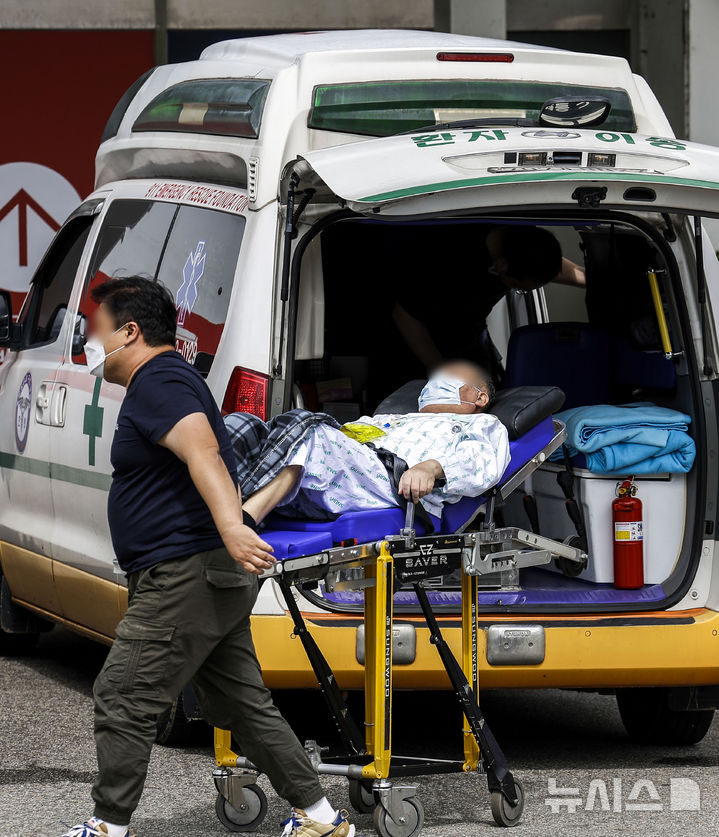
580	772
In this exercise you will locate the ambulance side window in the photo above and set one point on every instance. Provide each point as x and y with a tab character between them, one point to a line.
130	243
198	266
44	310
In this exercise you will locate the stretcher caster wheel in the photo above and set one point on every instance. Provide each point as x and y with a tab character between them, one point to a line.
572	568
503	811
362	797
408	822
248	819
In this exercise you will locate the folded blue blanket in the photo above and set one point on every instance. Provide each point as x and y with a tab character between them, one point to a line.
629	439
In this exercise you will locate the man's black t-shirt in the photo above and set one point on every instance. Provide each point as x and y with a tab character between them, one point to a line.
154	510
453	292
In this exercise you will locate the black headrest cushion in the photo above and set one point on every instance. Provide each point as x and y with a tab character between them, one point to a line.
518	408
522	408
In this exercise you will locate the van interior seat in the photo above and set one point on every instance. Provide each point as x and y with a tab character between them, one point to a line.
590	364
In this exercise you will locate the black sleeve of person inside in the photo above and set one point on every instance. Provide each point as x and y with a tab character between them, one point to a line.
458	274
441	268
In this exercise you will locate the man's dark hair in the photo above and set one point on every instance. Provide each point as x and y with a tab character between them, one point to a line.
532	254
487	383
491	390
144	301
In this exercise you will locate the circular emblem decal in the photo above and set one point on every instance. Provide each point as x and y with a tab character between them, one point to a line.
22	412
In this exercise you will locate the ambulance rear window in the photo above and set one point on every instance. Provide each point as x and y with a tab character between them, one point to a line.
382	108
224	107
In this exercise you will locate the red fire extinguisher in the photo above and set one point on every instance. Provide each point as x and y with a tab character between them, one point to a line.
628	537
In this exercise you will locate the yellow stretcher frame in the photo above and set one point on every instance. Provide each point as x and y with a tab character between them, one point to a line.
378	675
371	766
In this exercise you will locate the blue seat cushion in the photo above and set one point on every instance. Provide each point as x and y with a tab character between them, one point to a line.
576	357
588	363
649	370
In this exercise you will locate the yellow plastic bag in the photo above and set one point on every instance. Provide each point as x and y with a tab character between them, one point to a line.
361	432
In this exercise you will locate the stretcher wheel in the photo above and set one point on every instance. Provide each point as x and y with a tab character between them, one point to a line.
362	797
412	816
572	568
503	811
248	820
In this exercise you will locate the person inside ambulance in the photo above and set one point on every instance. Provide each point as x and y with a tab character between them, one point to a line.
453	448
441	311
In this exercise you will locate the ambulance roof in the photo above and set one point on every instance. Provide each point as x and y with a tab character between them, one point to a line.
276	52
183	120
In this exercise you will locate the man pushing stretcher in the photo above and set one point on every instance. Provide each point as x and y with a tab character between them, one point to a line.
306	466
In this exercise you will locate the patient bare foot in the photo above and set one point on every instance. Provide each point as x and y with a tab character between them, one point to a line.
261	503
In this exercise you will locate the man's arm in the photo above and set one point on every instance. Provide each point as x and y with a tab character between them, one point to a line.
193	441
416	335
571	274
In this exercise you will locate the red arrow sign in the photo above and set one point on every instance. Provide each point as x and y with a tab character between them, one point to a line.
22	201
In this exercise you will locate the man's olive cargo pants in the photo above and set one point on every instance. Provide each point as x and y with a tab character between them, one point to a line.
189	620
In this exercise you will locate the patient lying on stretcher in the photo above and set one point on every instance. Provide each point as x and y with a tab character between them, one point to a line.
305	466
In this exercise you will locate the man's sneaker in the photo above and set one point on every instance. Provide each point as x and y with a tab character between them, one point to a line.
300	825
94	827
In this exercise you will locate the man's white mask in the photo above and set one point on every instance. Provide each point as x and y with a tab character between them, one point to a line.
443	389
95	354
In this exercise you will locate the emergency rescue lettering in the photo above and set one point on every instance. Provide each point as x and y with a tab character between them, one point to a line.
204	195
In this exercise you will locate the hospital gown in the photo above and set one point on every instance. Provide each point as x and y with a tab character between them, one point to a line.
340	475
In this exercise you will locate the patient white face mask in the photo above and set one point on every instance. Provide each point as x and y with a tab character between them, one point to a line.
443	390
95	354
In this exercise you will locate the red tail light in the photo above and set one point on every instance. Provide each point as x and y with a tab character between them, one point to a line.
247	392
496	57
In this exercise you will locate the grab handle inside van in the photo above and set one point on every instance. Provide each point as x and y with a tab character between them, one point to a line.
659	310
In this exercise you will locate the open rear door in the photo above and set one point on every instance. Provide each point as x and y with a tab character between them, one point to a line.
505	168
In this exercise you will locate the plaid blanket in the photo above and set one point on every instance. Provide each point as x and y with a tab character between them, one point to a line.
262	447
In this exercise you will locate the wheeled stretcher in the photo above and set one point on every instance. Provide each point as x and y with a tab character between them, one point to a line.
389	548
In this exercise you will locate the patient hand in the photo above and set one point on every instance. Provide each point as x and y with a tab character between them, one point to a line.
419	480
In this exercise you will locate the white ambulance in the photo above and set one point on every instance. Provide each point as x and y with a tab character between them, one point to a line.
287	189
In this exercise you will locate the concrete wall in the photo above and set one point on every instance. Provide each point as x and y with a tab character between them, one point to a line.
218	14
